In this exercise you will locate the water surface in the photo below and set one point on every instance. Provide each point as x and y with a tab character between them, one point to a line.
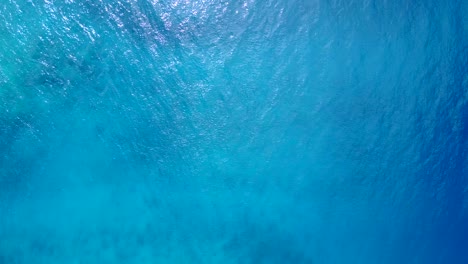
253	131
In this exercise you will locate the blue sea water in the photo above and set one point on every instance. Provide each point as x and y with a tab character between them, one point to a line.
250	131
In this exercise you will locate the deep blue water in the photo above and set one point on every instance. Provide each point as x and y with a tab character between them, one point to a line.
251	131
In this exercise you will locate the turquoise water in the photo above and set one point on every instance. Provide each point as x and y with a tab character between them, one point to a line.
254	131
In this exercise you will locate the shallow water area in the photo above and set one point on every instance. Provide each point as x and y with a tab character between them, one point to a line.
249	131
